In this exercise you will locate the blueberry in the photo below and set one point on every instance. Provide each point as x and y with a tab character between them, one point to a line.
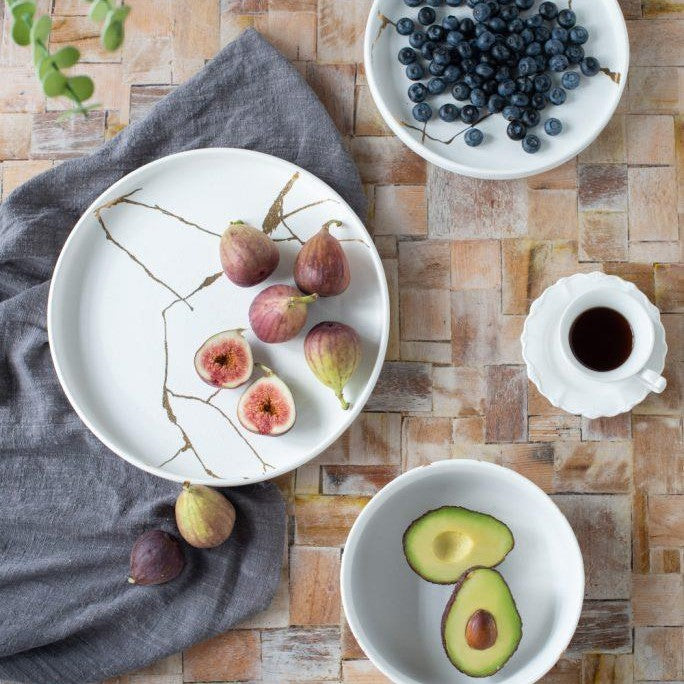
527	34
533	49
435	33
524	84
542	34
467	26
442	56
527	66
557	96
465	49
507	88
485	40
470	114
472	3
531	143
574	53
497	24
449	112
540	61
417	39
436	86
450	23
417	92
508	13
426	16
461	92
515	42
542	83
428	49
454	3
516	130
495	103
414	72
454	38
570	80
553	126
530	117
500	53
553	47
503	74
511	112
559	33
413	3
478	97
472	80
489	87
548	10
538	101
485	70
435	69
534	21
590	66
579	35
566	18
435	3
519	99
422	112
405	26
452	73
468	65
473	137
407	55
558	63
515	26
481	12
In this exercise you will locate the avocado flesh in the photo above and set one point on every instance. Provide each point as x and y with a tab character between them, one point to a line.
481	589
442	544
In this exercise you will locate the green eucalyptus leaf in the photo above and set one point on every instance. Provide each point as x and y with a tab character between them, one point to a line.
39	53
41	29
79	88
21	32
54	83
98	12
120	13
66	57
23	9
112	35
47	64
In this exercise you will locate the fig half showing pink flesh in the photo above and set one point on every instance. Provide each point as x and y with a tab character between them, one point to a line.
225	360
267	406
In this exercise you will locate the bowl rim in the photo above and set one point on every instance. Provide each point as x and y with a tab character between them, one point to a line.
404	480
110	192
494	173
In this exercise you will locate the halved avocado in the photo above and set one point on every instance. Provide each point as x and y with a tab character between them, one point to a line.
442	544
481	626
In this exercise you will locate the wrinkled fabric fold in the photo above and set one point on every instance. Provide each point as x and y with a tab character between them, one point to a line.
69	508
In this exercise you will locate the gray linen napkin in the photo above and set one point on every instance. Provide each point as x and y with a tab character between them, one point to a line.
70	509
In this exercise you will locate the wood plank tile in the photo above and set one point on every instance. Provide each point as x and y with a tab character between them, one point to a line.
425	440
55	139
563	177
147	52
534	461
350	647
427	352
658	653
402	386
425	314
301	654
400	210
639	274
475	264
602	187
604	668
391	268
368	120
334	86
15	173
566	671
84	35
603	236
552	214
356	480
650	140
325	520
340	30
604	627
669	287
658	600
600	467
658	435
458	391
424	264
385	160
655	90
314	585
506	404
362	672
656	43
662	8
617	428
666	520
666	560
21	90
143	98
15	135
609	147
652	204
292	33
235	655
560	428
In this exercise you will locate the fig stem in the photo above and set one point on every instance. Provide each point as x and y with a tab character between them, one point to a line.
343	402
333	222
237	223
186	484
130	580
265	369
304	299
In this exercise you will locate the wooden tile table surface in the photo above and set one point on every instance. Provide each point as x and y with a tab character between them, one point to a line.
461	281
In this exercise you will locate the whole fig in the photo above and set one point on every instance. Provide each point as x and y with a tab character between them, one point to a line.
156	558
322	266
333	352
267	406
278	313
225	360
204	517
248	255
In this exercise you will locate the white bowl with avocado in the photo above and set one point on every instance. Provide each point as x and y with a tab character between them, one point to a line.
462	569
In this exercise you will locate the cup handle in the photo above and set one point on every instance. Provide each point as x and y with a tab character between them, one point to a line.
656	383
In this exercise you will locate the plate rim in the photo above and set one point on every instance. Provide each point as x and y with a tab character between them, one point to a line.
463	169
356	407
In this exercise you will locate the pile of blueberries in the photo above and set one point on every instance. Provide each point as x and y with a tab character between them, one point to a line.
499	62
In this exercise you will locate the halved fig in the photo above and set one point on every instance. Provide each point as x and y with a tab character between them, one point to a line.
225	360
267	406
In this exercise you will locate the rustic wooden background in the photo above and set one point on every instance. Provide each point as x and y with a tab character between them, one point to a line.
461	276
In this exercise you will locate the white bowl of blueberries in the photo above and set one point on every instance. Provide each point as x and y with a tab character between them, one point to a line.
496	88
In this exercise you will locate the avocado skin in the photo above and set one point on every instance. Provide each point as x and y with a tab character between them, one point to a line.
450	603
434	510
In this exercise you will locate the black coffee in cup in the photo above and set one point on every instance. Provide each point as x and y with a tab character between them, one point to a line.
601	339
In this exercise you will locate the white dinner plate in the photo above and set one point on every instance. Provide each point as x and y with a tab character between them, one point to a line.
124	326
584	115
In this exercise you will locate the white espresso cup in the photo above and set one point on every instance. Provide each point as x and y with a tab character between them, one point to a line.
643	336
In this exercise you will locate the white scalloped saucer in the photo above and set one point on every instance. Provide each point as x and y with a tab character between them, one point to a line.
550	371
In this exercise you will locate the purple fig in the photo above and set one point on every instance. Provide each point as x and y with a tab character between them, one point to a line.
333	352
278	313
248	255
156	558
267	406
322	266
225	360
204	517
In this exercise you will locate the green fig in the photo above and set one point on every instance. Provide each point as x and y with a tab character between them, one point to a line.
333	352
204	517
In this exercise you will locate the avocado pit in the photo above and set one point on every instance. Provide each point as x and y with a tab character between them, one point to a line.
481	630
451	546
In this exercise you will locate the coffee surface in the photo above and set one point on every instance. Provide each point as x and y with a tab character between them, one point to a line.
601	339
